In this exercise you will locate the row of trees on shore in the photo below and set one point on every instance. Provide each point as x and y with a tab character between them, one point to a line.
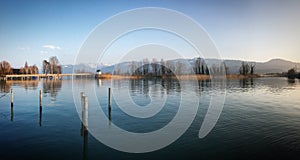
292	73
142	68
29	69
49	67
5	68
178	67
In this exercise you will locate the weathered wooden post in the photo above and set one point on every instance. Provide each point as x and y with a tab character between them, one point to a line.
82	96
41	98
82	112
85	126
85	113
11	97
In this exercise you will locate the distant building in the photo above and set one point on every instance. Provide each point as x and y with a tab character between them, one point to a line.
98	73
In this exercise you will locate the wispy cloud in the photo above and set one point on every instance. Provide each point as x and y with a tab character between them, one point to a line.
52	47
24	48
43	52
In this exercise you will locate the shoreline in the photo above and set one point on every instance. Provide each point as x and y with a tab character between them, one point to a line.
181	77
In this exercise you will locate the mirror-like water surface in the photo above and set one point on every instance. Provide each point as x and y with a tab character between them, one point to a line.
260	119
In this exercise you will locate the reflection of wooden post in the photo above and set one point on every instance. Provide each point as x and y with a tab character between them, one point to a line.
41	96
109	116
11	113
109	98
85	144
109	104
84	130
40	122
11	97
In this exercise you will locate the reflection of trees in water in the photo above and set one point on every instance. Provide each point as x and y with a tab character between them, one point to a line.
117	83
246	83
274	85
204	84
52	87
141	86
171	85
4	87
30	85
291	81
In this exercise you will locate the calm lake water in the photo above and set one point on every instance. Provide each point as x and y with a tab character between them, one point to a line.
260	119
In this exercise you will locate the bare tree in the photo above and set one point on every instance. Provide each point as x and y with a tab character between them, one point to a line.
22	70
244	69
59	70
198	66
5	68
133	68
145	66
179	68
53	64
226	68
155	66
34	69
252	68
163	68
26	68
169	67
291	74
206	70
46	67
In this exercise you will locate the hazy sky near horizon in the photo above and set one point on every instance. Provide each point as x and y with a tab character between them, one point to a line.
241	29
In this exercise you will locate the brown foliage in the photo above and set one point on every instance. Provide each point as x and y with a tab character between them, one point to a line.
5	68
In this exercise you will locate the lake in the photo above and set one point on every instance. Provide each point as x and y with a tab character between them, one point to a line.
260	119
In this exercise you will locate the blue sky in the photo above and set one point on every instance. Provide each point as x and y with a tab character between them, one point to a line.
245	30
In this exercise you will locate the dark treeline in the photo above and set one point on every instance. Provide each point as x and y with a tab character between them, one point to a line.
292	73
247	68
171	67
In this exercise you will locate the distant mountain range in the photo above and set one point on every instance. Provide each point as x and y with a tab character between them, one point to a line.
272	66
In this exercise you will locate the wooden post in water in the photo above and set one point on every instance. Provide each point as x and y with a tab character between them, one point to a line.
82	96
82	112
85	113
109	98
85	135
11	97
84	131
41	97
